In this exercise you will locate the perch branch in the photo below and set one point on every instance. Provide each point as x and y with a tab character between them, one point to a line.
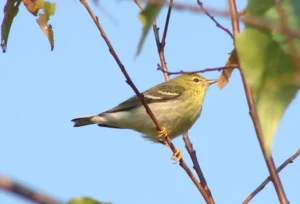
140	96
160	49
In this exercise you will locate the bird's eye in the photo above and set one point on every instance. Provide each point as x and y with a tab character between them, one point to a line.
196	80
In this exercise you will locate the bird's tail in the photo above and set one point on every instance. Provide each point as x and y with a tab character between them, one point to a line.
88	120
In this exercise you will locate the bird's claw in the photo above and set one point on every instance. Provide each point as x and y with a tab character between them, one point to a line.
162	134
177	155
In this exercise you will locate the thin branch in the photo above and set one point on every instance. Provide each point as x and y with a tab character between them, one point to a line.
242	12
196	166
267	180
198	71
25	192
254	116
157	40
186	139
155	29
140	96
189	7
160	49
255	21
214	20
234	17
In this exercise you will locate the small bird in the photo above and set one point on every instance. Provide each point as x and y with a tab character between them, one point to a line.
176	104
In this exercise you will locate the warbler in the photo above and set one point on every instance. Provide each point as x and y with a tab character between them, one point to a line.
176	104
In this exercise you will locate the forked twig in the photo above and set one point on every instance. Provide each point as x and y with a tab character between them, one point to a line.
267	180
140	96
163	67
214	20
25	192
254	115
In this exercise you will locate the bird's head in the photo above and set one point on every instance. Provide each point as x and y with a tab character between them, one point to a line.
194	81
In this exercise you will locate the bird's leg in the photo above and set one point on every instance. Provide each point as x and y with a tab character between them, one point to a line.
162	139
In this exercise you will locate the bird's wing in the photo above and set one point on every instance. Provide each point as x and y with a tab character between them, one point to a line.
160	93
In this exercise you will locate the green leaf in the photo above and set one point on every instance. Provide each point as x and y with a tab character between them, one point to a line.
49	8
147	17
11	10
258	7
85	200
291	11
269	69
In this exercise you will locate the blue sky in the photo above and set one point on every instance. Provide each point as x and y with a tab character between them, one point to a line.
41	91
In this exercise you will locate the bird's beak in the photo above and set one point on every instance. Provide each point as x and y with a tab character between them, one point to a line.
212	81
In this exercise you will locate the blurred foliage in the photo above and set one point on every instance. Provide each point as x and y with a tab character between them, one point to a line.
147	17
40	8
268	65
85	200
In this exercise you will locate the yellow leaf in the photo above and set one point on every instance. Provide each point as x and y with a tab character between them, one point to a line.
226	73
11	9
33	6
46	28
49	8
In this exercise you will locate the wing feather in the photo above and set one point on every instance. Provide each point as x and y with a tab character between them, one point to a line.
160	93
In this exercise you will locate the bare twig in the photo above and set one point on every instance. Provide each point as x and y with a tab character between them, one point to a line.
242	12
255	21
25	192
199	71
214	20
234	17
186	139
160	49
255	119
196	166
161	45
267	180
140	96
189	7
157	39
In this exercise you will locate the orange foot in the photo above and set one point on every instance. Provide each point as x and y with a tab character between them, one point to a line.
177	155
162	134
